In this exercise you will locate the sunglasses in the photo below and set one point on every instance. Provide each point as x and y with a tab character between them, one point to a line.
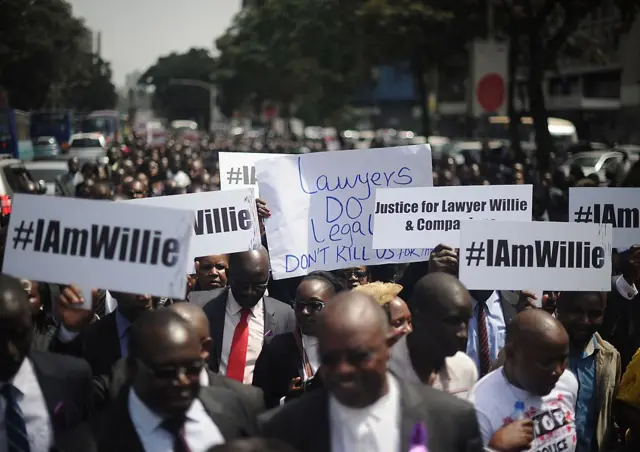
311	306
354	357
357	273
191	370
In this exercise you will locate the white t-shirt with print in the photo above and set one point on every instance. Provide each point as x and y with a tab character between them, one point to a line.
553	415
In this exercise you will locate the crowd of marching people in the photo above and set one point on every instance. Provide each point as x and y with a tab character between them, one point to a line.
368	359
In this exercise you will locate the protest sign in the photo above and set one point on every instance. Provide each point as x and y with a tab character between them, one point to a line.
618	207
98	244
322	206
427	216
225	221
515	255
237	169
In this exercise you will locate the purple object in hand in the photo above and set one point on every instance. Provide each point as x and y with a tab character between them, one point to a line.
419	438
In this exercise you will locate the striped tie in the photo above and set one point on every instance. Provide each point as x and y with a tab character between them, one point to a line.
17	440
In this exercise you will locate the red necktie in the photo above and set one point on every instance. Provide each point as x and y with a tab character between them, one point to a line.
484	353
238	354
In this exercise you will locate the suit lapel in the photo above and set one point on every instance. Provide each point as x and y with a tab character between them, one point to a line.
219	309
270	320
410	414
508	300
49	386
317	435
228	428
124	434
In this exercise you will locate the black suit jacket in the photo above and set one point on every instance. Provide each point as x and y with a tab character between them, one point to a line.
278	319
113	430
508	300
279	362
65	383
451	423
251	398
98	344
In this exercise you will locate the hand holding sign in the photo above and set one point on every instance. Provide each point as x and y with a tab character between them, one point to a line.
71	308
443	258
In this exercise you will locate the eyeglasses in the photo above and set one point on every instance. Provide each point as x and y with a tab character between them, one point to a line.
348	273
354	357
191	370
311	306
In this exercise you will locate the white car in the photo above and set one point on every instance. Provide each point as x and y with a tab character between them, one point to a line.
48	172
87	146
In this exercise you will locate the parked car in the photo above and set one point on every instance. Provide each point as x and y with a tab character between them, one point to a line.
48	171
45	148
87	146
593	162
15	178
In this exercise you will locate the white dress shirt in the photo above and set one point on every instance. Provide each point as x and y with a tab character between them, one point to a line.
204	378
371	429
310	346
256	335
34	410
201	433
628	291
496	329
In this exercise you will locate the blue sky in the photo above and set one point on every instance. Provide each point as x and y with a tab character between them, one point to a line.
136	32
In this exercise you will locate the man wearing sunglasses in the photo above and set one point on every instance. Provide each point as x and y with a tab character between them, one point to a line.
362	407
242	318
165	407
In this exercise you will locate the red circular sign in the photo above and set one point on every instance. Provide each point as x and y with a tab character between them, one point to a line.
490	92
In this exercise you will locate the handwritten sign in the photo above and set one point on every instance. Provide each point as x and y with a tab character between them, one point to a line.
617	206
225	221
322	206
428	216
117	246
518	255
237	169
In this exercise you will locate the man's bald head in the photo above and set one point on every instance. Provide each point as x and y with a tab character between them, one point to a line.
354	310
250	259
437	292
194	315
14	301
533	326
155	333
536	351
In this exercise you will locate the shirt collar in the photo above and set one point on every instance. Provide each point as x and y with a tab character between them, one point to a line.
234	308
204	377
494	297
23	378
591	348
122	324
379	410
144	419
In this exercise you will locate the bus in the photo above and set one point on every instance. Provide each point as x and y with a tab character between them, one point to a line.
562	131
14	134
106	122
53	123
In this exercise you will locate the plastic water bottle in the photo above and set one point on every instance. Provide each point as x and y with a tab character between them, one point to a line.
419	438
518	412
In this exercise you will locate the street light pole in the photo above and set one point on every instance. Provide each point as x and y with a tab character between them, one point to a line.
213	95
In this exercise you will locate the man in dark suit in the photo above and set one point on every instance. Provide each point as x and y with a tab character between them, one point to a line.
43	394
242	319
251	397
361	396
165	407
104	341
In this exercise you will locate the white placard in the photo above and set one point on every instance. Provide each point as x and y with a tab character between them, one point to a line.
427	216
619	207
322	206
225	221
238	169
99	244
519	255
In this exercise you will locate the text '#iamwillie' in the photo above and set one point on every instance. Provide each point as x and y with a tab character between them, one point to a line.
125	244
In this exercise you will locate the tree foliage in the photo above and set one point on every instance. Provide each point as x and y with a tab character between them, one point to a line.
176	101
41	52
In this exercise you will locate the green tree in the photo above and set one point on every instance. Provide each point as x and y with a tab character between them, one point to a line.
292	53
90	87
39	42
175	101
542	30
